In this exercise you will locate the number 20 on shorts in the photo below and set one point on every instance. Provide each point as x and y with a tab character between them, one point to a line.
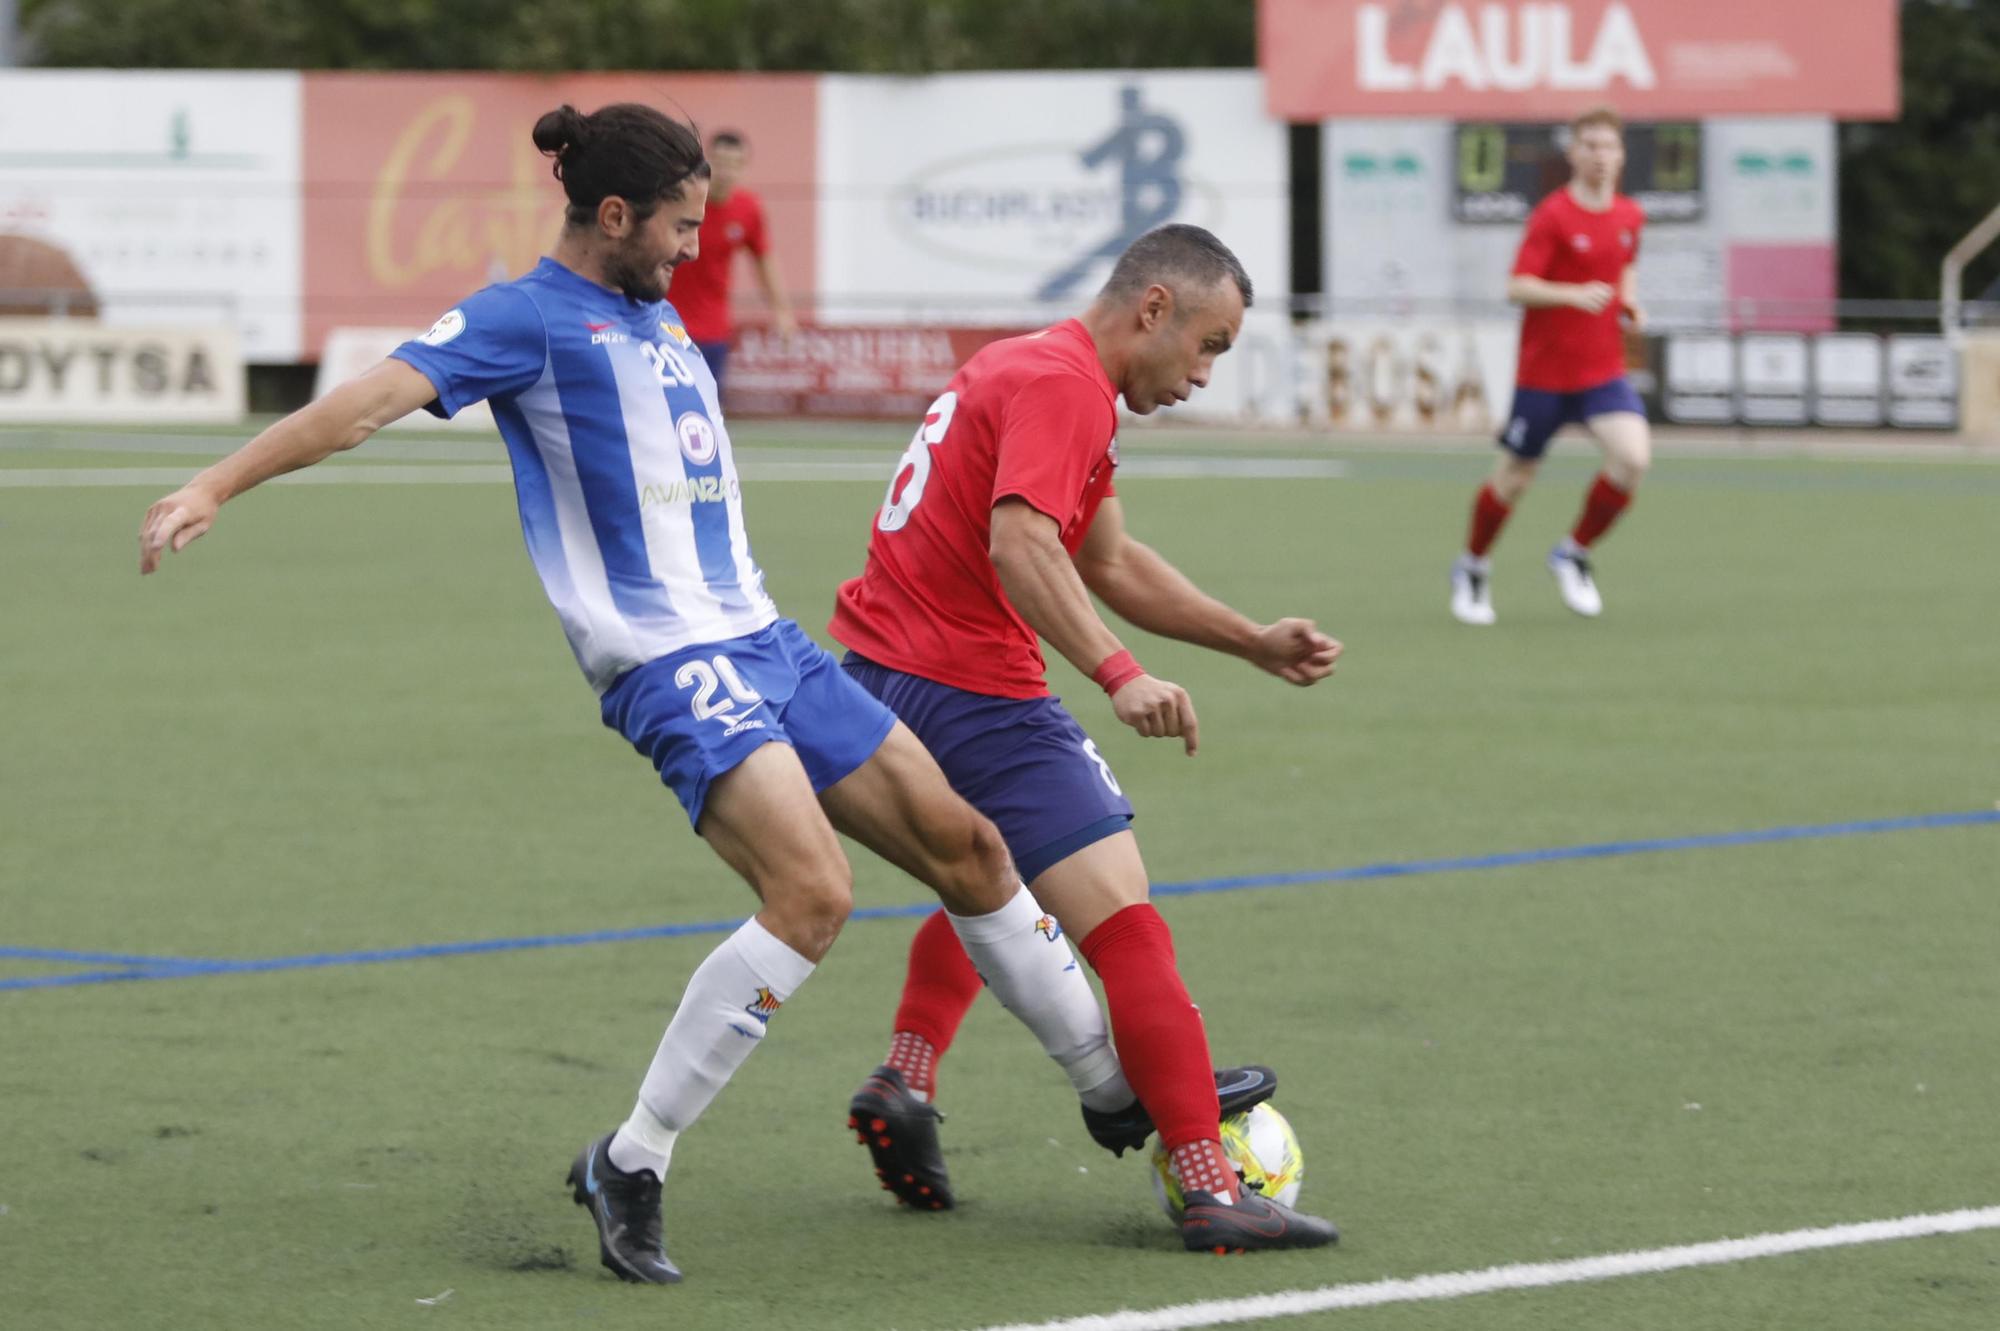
705	677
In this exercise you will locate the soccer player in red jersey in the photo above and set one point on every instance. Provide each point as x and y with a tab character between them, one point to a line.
735	221
1575	281
998	526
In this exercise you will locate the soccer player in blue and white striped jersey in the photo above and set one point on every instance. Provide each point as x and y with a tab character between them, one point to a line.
633	516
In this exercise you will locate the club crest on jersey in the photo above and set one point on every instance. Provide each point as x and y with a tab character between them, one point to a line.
449	325
1048	928
1581	242
763	1005
676	332
697	437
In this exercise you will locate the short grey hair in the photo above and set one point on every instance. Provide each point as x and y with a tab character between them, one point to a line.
1174	254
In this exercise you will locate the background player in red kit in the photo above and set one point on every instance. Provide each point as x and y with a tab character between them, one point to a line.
735	221
1575	280
999	525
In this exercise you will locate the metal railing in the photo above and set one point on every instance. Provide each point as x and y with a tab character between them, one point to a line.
1951	276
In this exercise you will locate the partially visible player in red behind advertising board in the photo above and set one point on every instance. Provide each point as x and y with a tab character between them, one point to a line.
735	222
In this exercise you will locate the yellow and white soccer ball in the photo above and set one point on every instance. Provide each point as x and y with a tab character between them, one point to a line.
1260	1143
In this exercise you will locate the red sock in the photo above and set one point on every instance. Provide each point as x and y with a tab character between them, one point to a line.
938	990
916	1058
1601	508
1488	516
1155	1024
1201	1166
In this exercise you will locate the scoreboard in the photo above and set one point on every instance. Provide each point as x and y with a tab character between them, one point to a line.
1504	170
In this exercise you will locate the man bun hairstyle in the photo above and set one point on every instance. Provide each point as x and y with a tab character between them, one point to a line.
1174	256
626	149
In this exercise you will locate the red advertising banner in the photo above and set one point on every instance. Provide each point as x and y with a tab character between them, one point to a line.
874	370
422	188
1548	59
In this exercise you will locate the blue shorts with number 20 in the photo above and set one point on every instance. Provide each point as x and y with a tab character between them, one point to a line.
1023	762
699	712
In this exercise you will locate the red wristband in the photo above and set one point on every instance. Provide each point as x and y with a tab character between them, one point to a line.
1115	671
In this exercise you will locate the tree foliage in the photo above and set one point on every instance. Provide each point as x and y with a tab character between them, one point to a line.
864	36
1910	189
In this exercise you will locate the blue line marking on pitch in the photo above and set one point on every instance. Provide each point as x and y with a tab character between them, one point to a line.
168	968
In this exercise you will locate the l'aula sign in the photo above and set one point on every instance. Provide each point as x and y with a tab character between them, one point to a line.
1547	59
1531	46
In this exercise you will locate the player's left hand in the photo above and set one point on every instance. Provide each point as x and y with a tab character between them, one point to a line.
1635	317
1295	651
173	522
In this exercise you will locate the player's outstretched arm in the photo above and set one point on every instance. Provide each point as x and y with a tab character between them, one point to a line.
340	420
1141	587
1045	589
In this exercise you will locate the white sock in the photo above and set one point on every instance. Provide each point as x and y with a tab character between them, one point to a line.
1480	564
720	1021
1020	952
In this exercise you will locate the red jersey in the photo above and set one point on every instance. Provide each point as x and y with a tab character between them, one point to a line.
1030	417
700	289
1565	350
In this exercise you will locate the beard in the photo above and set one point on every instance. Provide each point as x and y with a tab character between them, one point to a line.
637	274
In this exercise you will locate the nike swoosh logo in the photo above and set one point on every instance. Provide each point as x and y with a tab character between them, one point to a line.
1273	1225
1249	1081
595	328
590	1174
614	1238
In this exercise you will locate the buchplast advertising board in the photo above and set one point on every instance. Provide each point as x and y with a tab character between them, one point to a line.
1005	198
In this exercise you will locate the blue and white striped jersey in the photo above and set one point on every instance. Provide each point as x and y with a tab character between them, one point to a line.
628	492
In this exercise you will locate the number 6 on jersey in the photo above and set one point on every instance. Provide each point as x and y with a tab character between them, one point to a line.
913	469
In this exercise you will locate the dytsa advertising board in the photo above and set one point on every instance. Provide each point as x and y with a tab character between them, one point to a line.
81	370
1547	59
1005	198
423	188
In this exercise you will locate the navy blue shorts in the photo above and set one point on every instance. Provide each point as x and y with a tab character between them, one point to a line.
717	356
699	712
1537	413
1023	762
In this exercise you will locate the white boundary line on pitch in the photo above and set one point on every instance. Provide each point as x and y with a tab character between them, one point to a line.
750	468
1531	1275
